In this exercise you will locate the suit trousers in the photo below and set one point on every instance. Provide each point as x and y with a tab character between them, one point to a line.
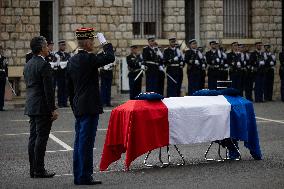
39	132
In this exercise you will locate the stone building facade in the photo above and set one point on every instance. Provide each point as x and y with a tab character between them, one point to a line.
201	19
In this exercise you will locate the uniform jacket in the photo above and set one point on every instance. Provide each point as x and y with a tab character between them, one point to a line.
83	80
150	55
38	79
255	59
134	64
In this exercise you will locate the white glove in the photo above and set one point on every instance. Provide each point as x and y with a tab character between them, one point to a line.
176	58
239	64
217	60
53	64
159	53
63	64
143	67
245	62
161	68
196	62
181	63
203	65
261	63
101	38
273	57
271	63
106	67
226	65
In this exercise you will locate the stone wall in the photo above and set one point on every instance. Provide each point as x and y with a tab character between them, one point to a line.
267	26
211	21
19	23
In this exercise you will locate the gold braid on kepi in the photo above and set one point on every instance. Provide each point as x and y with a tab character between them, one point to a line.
85	33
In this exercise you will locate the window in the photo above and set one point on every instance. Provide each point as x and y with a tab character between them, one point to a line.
46	18
237	18
147	18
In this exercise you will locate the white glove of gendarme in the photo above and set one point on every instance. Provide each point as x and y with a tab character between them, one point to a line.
106	67
161	68
245	62
176	58
203	65
196	62
261	63
181	63
271	63
143	67
217	60
101	38
226	65
239	64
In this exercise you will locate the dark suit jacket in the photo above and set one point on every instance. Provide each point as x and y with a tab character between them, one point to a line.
83	80
40	95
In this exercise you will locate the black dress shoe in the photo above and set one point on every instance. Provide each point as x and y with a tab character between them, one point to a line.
45	174
91	182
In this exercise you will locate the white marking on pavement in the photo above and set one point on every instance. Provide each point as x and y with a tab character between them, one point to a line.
20	120
270	120
64	145
54	151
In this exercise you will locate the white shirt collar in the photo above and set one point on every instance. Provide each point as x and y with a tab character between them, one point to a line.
41	57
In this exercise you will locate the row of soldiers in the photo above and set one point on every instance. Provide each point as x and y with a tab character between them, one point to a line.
58	61
248	71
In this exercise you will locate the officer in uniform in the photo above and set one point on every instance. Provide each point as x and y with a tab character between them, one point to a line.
258	63
152	59
195	63
235	63
83	85
270	62
174	63
224	66
106	75
3	77
134	63
203	71
161	79
248	73
281	73
213	61
53	59
61	75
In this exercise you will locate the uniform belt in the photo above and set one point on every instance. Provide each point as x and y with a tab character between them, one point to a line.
150	62
174	65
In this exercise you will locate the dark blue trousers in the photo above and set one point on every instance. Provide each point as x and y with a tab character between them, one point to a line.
61	90
237	82
268	84
152	79
2	92
106	81
248	84
85	128
212	79
134	86
259	87
173	89
194	83
161	83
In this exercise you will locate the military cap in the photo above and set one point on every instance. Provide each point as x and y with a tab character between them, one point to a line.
61	41
151	38
192	41
241	45
212	42
235	42
85	33
172	38
267	45
49	42
257	43
134	46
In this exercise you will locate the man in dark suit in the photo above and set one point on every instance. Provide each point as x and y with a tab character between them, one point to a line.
40	106
83	84
214	62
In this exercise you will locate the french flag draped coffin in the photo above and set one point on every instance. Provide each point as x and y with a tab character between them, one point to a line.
139	126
